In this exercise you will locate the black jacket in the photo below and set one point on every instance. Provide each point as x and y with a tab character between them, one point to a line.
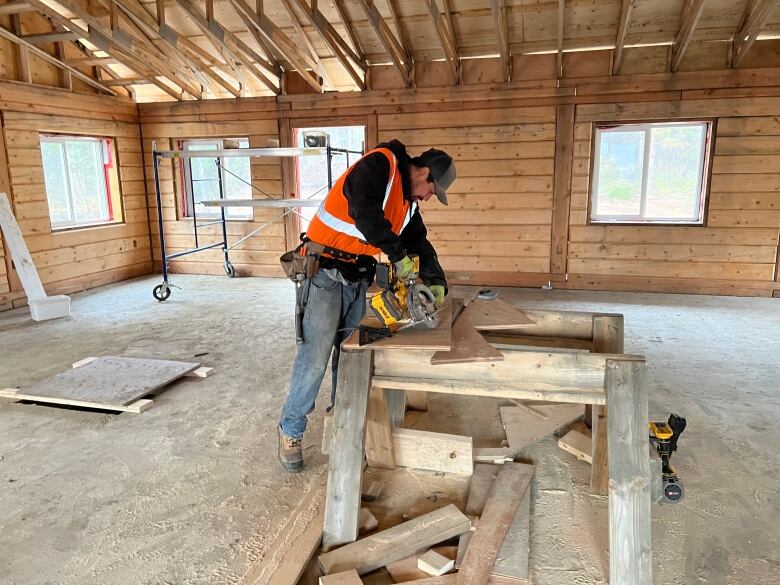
365	189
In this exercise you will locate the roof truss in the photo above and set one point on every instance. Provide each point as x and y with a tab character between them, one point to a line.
502	32
625	17
689	18
756	14
446	34
398	52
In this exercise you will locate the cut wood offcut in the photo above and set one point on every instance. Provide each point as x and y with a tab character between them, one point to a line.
433	451
495	315
523	428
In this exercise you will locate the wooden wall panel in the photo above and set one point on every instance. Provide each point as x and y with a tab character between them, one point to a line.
252	118
72	260
736	251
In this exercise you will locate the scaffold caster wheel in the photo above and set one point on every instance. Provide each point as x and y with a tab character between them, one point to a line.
161	292
230	270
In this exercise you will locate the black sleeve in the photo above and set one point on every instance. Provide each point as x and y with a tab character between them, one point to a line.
365	189
415	239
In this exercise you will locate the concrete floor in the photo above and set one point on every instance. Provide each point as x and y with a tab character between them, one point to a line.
189	492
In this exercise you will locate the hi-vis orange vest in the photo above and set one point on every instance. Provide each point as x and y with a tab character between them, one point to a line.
333	227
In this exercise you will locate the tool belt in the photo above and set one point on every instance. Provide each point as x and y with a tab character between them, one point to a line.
304	261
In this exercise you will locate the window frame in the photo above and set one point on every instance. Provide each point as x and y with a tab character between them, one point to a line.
186	180
111	202
705	178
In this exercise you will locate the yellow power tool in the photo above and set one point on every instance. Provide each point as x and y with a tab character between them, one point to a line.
403	302
665	436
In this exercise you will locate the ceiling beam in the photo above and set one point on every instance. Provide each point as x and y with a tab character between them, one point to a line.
446	40
6	34
344	16
351	61
559	61
281	43
625	17
397	52
164	36
689	18
120	46
15	8
232	47
756	15
54	37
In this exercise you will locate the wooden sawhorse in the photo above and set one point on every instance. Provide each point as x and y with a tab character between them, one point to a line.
603	378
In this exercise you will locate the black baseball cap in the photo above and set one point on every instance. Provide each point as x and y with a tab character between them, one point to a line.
442	169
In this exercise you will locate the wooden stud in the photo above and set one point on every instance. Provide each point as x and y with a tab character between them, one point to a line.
502	32
345	471
756	14
630	549
625	17
689	18
23	58
608	333
564	158
379	435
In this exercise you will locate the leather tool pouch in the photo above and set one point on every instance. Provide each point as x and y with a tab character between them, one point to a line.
301	263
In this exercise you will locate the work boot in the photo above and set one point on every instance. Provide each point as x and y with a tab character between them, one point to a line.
290	453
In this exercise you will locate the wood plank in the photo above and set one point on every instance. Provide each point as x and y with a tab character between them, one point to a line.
17	249
467	346
406	569
418	337
136	406
345	471
722	270
379	435
433	451
578	444
345	578
396	543
513	556
630	559
522	428
495	315
296	540
508	490
564	148
673	235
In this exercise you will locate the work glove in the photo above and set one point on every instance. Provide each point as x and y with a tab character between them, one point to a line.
438	294
404	268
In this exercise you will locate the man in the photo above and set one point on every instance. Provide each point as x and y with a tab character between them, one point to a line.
372	208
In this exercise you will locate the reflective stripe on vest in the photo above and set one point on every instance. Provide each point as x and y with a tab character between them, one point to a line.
349	229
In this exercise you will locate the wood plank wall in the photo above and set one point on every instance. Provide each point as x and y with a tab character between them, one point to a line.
254	118
71	260
518	209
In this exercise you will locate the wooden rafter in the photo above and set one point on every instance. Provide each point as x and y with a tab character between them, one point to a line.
54	37
403	37
350	60
15	8
689	18
559	61
446	39
394	48
6	34
344	16
280	42
502	32
230	45
625	17
114	45
164	36
756	14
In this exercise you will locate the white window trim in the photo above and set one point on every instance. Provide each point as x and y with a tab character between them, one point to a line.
188	192
105	207
703	162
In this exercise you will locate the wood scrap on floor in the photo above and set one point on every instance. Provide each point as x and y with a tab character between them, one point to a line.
366	521
578	442
407	570
433	451
435	564
345	578
506	495
495	455
371	490
523	428
396	543
106	383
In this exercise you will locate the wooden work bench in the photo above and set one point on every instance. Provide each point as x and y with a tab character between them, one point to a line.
562	356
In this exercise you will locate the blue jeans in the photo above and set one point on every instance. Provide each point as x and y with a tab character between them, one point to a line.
332	311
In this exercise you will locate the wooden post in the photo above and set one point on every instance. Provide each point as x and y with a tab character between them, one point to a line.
564	159
607	338
396	407
379	434
630	559
345	473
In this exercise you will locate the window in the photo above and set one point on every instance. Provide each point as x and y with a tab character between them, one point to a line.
650	173
202	179
312	180
79	174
